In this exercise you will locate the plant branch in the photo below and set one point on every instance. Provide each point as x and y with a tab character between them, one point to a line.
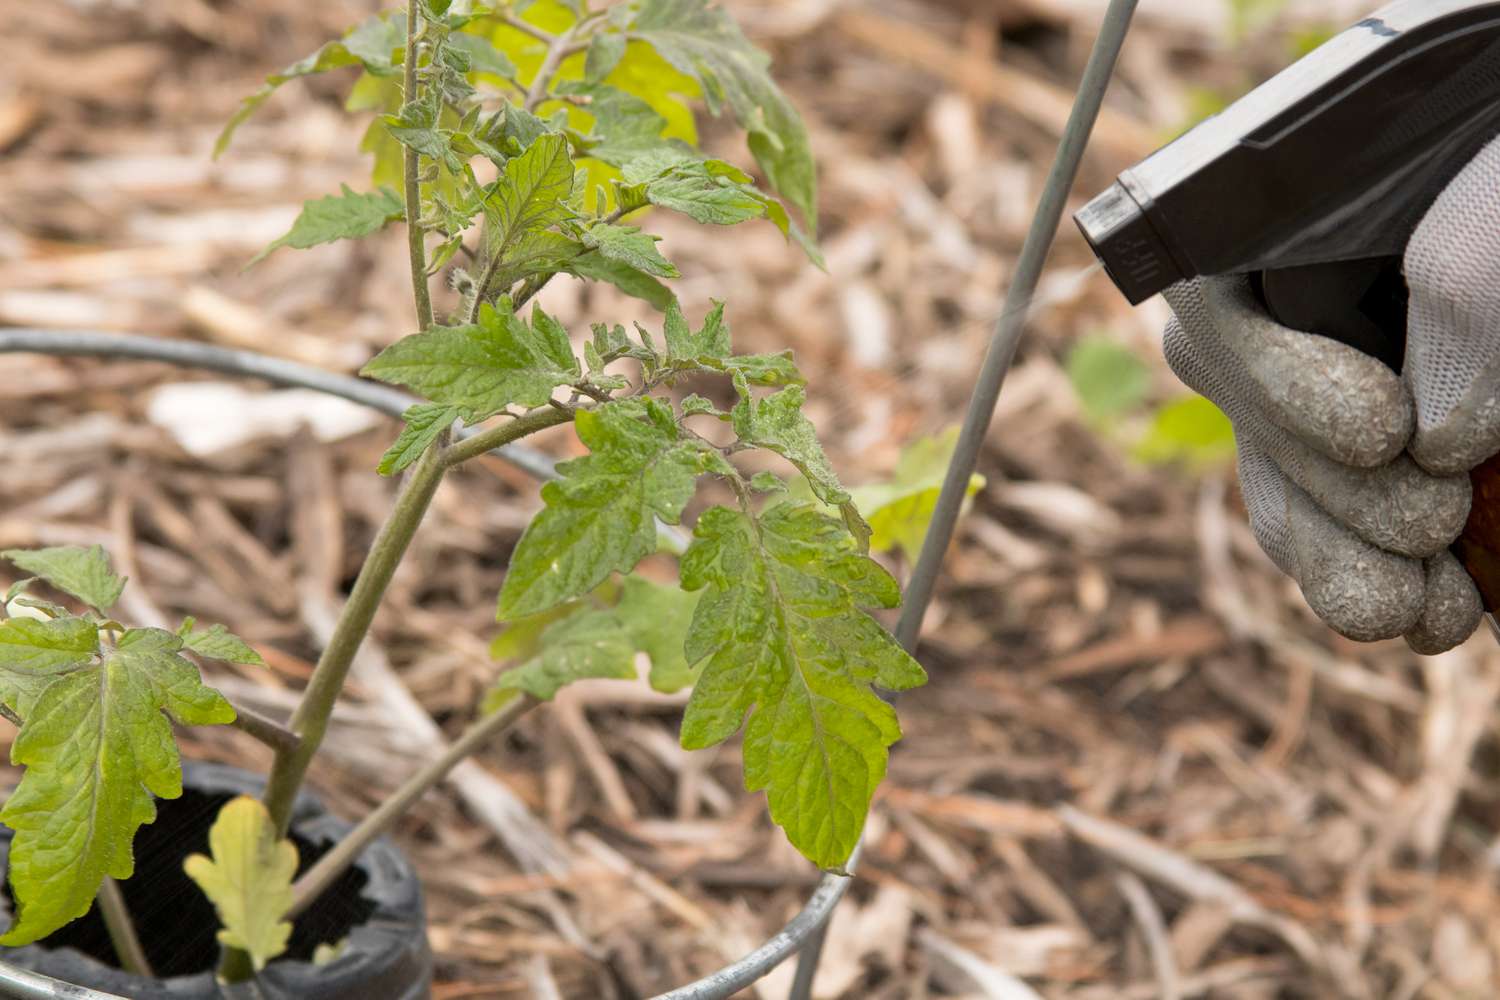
122	929
266	729
310	720
558	49
333	864
411	168
495	437
527	28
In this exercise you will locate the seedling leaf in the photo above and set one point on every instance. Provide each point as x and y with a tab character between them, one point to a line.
34	652
776	423
248	879
589	644
900	510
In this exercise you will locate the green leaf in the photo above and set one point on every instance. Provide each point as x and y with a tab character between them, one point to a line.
901	509
1109	379
83	572
424	422
599	516
1191	431
596	267
97	747
702	41
629	246
483	56
776	423
605	51
345	216
218	643
532	193
781	635
248	879
656	617
479	369
590	644
768	482
709	348
372	44
691	189
34	652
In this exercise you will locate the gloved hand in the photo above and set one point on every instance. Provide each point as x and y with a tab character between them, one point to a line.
1356	479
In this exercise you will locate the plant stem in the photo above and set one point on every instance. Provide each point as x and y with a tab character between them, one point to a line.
557	50
270	732
310	720
495	437
122	929
411	167
333	864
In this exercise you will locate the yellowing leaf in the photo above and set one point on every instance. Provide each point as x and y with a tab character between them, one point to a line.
248	879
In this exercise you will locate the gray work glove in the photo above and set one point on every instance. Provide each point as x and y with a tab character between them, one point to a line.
1356	479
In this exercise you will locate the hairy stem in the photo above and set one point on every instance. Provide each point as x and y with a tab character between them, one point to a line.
333	864
310	720
122	929
495	437
411	167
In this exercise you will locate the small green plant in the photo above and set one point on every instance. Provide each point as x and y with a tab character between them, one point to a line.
518	142
1113	386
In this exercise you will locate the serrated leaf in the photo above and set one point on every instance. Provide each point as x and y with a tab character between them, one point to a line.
696	405
589	644
629	246
345	216
596	267
656	617
218	643
709	348
372	44
83	572
97	747
248	879
781	635
900	510
605	51
690	189
599	516
33	652
701	40
483	56
767	482
541	251
424	422
481	368
532	193
776	423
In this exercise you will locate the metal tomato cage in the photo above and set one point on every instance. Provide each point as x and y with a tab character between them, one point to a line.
803	934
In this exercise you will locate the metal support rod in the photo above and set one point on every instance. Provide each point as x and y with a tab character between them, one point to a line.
22	984
997	362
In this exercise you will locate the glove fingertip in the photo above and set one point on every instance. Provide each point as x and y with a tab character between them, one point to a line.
1360	591
1452	610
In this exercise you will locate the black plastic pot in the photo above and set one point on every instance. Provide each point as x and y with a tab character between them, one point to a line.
375	908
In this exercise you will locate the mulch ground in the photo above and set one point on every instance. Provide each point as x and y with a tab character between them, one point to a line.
1141	768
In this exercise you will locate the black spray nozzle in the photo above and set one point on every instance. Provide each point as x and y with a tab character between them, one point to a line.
1334	160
